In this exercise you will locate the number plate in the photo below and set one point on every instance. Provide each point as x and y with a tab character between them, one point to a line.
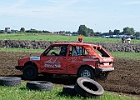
106	63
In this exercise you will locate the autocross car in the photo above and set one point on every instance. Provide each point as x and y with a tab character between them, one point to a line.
81	59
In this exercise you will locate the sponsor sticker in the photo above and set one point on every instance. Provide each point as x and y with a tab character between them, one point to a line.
34	58
52	63
88	59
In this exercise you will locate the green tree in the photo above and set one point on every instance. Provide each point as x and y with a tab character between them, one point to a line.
128	30
116	32
22	29
110	32
90	32
85	31
97	34
137	35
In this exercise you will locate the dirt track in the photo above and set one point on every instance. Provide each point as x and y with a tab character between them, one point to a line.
125	78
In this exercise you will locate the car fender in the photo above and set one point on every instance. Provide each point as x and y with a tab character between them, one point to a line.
35	64
91	66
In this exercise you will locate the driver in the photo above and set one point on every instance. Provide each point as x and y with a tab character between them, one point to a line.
63	51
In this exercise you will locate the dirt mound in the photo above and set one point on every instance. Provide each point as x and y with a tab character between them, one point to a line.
125	78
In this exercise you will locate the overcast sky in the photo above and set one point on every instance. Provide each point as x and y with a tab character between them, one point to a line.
68	15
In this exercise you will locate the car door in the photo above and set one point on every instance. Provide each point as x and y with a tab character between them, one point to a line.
75	59
53	60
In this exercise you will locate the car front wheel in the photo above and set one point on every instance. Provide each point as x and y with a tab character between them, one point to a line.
29	72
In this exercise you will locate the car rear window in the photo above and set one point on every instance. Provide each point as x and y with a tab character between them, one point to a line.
101	51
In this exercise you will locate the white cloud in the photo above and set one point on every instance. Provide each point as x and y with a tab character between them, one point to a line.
132	3
12	9
17	9
18	4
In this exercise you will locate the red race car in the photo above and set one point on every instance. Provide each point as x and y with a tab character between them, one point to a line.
81	59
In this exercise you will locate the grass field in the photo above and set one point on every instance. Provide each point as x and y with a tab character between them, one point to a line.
58	38
22	93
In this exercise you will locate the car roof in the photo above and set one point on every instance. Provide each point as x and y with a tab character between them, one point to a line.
70	43
73	43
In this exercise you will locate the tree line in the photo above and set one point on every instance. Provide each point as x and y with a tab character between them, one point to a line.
89	32
85	31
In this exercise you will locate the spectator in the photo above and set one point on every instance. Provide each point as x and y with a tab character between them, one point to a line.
123	39
129	40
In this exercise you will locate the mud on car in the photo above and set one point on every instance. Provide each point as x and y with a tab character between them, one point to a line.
81	59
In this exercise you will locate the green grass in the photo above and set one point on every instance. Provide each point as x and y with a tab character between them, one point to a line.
58	38
126	55
22	93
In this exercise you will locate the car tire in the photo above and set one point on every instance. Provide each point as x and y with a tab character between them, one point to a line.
10	81
87	87
86	72
39	85
29	72
69	90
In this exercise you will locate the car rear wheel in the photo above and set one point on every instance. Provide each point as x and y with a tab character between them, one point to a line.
86	72
29	72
